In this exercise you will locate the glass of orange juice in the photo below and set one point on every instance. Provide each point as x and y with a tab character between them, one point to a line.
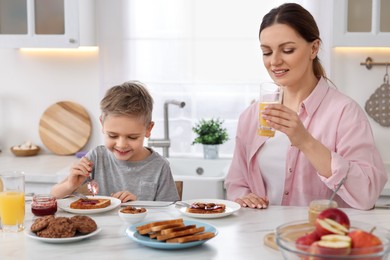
12	205
270	93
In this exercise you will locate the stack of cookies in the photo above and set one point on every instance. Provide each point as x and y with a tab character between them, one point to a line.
63	227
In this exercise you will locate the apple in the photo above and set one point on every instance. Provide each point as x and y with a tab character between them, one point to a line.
332	221
304	242
330	245
364	242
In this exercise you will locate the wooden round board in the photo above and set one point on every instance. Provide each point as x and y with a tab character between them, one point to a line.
65	128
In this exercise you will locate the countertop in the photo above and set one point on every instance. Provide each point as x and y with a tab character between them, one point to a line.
240	236
42	168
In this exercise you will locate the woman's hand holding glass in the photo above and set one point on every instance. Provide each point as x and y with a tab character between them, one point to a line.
285	120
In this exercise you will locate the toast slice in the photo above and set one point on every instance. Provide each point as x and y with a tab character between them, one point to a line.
206	208
147	228
181	233
190	238
90	203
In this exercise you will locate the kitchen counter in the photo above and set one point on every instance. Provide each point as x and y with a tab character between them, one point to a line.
240	236
42	168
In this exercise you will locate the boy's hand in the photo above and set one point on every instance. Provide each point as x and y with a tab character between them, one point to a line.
79	172
124	196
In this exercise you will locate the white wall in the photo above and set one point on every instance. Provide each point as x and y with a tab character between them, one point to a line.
32	80
203	52
360	83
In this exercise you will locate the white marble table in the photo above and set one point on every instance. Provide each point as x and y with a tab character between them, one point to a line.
240	236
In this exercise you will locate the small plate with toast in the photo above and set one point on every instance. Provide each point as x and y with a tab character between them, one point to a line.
171	234
209	208
94	204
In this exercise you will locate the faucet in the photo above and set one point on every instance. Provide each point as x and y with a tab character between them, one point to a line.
166	142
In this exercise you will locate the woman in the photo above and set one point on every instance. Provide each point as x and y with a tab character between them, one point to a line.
322	136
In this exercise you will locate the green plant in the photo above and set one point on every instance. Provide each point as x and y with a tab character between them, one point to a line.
210	132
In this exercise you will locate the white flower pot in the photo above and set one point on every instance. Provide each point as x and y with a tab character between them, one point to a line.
210	151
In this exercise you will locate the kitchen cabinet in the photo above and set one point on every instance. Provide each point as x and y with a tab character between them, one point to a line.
41	23
361	23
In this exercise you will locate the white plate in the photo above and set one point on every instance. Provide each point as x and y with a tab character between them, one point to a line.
61	240
146	241
231	207
64	205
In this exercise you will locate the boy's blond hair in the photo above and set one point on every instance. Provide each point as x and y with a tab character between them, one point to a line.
129	99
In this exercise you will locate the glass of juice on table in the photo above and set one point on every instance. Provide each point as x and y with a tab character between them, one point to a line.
12	201
270	93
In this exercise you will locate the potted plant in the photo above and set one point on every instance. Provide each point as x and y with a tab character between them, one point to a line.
211	134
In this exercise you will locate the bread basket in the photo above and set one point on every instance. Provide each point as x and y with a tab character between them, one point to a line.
25	152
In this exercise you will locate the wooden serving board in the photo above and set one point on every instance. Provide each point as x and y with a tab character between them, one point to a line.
65	128
270	238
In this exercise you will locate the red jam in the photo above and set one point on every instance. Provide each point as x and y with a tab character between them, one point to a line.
89	201
43	205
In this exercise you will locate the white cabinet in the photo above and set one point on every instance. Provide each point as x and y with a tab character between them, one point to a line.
41	23
361	23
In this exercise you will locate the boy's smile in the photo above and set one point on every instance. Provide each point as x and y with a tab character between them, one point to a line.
124	137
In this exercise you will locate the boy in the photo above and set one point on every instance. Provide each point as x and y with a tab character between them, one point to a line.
123	167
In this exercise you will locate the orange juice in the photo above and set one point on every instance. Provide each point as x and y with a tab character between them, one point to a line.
264	128
12	208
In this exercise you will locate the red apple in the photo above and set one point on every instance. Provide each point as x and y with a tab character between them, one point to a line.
365	243
332	221
304	242
330	245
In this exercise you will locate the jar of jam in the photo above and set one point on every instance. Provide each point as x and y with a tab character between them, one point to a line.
43	205
316	206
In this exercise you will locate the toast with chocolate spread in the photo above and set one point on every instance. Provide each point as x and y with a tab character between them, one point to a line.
206	208
91	203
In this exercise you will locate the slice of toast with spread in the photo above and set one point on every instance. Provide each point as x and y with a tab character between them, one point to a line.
206	208
91	203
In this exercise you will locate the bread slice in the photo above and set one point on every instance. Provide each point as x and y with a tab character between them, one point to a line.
90	203
206	208
147	228
181	233
175	229
189	238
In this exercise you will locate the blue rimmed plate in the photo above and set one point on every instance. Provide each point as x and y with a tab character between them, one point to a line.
146	241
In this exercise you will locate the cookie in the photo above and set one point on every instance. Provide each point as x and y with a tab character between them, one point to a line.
41	223
60	227
84	224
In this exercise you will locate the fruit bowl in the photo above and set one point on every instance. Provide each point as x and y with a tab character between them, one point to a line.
288	233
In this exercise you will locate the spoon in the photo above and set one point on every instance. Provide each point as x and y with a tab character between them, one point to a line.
337	189
93	186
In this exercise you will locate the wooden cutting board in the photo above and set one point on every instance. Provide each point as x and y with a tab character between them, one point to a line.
65	128
270	238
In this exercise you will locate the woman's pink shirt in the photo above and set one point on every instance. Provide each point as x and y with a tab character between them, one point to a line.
337	122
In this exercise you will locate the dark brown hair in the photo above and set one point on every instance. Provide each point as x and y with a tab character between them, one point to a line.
301	21
129	99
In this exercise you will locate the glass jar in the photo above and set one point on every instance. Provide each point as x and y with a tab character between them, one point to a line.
316	206
43	204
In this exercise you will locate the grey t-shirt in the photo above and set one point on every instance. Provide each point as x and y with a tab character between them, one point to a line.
150	179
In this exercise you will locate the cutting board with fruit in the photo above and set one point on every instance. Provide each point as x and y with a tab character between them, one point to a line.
65	128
